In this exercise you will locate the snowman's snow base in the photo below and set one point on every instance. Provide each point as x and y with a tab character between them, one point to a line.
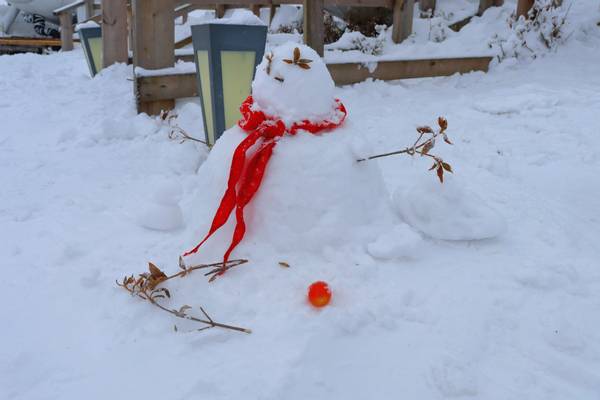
314	196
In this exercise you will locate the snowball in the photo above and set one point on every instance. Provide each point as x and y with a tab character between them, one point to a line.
291	92
447	211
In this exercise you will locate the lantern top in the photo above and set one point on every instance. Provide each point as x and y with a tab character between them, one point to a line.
292	82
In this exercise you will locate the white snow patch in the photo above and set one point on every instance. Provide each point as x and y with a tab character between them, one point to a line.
447	211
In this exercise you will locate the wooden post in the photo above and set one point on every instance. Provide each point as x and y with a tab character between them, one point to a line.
219	10
314	28
485	4
272	9
255	8
66	30
114	32
523	7
89	9
425	6
154	43
402	19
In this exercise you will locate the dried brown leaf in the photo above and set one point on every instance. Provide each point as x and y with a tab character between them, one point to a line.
284	264
428	146
303	66
440	174
304	61
447	167
443	123
296	54
155	272
288	61
424	129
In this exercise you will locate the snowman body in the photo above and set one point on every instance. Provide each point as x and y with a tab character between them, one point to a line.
314	195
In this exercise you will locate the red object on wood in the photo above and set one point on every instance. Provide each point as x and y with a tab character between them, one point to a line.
245	176
319	294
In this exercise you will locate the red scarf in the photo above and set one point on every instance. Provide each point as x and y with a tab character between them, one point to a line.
245	176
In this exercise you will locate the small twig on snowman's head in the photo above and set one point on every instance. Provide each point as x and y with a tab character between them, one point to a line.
301	62
423	145
269	58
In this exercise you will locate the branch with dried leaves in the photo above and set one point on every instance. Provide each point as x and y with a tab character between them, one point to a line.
175	131
146	287
423	145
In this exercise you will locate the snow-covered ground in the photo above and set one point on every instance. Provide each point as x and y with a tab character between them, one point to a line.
515	317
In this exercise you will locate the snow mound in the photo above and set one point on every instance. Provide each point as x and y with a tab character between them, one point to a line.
447	211
291	92
400	242
162	212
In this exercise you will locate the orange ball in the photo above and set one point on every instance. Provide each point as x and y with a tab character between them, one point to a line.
319	294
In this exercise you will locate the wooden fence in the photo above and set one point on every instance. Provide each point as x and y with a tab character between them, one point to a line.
152	34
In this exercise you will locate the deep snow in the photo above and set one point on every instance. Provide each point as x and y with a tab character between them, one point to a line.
515	317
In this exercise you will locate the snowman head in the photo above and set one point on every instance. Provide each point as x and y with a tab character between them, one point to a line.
293	84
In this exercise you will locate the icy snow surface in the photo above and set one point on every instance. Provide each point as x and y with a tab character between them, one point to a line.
513	317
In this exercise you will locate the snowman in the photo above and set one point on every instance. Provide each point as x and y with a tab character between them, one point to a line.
285	180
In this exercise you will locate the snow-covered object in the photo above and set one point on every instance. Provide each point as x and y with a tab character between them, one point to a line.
447	211
239	16
290	92
314	194
88	24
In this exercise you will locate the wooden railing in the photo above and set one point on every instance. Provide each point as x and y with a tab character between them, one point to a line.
65	17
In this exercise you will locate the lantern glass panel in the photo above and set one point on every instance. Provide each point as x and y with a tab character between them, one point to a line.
91	42
237	71
205	84
96	50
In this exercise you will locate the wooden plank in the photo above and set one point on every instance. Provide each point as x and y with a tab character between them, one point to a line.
166	87
402	20
66	30
255	8
69	7
246	3
183	42
114	32
314	28
29	42
348	73
485	4
154	43
169	87
523	7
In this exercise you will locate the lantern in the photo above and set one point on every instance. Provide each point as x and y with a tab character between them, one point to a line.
226	58
91	42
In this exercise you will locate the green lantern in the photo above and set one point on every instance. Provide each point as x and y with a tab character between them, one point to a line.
226	58
91	42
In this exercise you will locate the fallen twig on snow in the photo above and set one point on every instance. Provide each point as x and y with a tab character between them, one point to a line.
145	286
